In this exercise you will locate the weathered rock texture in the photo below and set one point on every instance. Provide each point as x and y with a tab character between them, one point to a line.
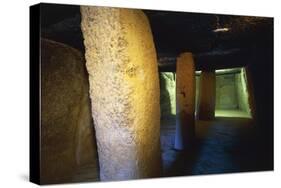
67	137
227	97
207	95
124	90
250	89
243	92
185	92
167	94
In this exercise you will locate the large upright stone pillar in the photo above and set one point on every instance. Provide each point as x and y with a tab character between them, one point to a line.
207	95
185	92
67	137
124	90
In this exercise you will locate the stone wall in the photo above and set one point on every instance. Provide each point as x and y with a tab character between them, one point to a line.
226	95
242	93
67	134
231	93
167	94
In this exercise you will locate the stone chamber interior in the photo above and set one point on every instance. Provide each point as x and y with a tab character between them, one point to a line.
229	86
231	93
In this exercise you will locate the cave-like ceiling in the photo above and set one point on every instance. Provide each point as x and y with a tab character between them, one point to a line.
217	41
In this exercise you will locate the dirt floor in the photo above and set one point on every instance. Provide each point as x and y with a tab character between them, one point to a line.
225	145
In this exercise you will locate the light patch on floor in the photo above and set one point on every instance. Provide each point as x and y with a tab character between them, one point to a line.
232	113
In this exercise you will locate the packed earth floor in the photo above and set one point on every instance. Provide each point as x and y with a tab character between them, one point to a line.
224	145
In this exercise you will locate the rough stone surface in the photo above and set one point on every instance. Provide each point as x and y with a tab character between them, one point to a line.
207	95
124	91
167	94
67	137
243	92
232	93
250	88
226	92
185	92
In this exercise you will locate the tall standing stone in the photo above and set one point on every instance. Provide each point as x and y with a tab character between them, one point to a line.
124	90
207	95
67	135
185	92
